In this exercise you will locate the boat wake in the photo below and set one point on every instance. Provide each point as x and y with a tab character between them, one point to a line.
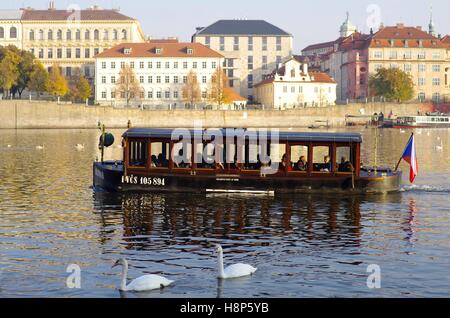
425	188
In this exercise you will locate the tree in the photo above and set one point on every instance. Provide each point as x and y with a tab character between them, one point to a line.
39	79
191	89
79	88
219	91
9	72
393	84
25	67
128	87
57	84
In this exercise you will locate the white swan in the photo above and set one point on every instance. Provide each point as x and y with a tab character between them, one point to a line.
9	146
79	147
143	283
233	271
402	131
40	147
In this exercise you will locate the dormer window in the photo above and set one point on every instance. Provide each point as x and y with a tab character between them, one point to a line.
190	51
406	43
391	43
420	43
158	50
127	51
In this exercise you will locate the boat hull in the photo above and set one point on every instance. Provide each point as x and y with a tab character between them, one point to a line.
110	177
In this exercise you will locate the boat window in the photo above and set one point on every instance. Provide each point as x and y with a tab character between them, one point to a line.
159	155
322	159
345	159
233	157
252	161
182	155
137	154
299	158
205	156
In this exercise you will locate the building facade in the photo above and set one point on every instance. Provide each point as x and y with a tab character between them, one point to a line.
11	28
71	38
160	67
252	49
294	86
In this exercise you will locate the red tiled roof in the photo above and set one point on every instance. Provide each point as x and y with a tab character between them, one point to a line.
319	77
168	49
399	34
322	45
84	15
446	40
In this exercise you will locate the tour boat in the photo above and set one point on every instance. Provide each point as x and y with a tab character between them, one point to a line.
242	161
432	121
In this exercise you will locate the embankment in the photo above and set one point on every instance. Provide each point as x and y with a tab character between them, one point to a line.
47	115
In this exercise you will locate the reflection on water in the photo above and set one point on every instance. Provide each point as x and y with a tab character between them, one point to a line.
303	246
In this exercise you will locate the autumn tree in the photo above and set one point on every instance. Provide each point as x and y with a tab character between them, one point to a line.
392	83
57	83
9	71
219	92
191	89
127	86
79	87
38	79
24	67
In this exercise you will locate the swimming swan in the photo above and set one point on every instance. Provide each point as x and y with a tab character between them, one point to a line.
232	271
79	147
143	283
40	147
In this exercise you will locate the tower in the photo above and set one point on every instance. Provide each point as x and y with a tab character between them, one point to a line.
347	28
431	29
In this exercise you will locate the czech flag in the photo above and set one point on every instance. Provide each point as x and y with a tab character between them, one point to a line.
409	155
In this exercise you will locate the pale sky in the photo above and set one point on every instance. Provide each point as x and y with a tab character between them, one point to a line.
309	21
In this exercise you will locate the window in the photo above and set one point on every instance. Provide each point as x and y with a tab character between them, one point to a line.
141	65
113	80
150	65
167	79
175	94
158	79
190	51
184	79
344	156
69	35
422	68
31	35
104	95
78	35
59	53
175	80
278	43
236	41
378	54
167	64
113	95
222	43
204	79
422	96
393	55
50	35
87	53
194	65
436	56
407	55
213	65
59	35
124	34
113	65
2	33
104	65
158	64
13	33
250	43
150	79
204	94
167	94
87	35
421	81
115	35
322	159
208	41
407	67
292	89
141	79
421	55
41	35
436	81
300	89
122	65
204	65
105	35
159	155
77	53
185	65
96	51
137	154
250	80
103	79
285	89
96	35
41	53
68	53
250	62
68	71
299	158
150	94
264	43
175	65
436	97
131	64
264	62
50	53
436	68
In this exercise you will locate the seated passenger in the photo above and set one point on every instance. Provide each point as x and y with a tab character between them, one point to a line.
346	166
284	164
326	167
302	165
161	161
154	162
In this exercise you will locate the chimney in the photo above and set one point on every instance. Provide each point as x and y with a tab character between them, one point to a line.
51	5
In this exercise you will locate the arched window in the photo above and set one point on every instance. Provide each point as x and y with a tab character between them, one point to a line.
2	33
59	35
96	35
78	35
105	35
115	35
32	35
124	34
87	35
13	33
50	34
41	35
69	35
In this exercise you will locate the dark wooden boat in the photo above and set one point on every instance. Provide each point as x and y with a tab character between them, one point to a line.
161	160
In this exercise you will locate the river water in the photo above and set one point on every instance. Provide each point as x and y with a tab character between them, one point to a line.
303	246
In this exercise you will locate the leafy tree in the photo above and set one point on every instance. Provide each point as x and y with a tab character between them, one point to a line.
39	79
79	87
219	91
191	89
57	84
392	83
127	86
24	66
9	72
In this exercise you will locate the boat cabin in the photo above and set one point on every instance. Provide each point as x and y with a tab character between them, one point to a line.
241	153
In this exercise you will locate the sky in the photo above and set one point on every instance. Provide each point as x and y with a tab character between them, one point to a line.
308	21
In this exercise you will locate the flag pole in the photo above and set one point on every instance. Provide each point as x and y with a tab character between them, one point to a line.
401	158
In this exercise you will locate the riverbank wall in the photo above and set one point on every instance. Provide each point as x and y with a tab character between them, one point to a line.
47	115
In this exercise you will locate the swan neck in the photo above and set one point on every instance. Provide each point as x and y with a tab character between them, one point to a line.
221	270
123	283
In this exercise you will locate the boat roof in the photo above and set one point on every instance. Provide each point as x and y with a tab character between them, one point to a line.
283	136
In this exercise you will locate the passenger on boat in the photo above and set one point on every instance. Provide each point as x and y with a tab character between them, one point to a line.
326	167
346	166
301	165
154	161
285	165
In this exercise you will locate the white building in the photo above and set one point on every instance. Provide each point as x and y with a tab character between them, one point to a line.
10	28
161	67
252	49
293	86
